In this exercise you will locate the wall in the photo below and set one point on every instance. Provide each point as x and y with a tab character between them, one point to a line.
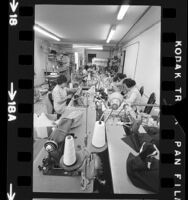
131	55
99	54
39	61
147	66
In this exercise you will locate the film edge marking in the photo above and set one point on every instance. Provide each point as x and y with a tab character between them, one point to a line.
12	103
13	18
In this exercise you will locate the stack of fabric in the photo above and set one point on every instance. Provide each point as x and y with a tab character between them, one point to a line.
143	169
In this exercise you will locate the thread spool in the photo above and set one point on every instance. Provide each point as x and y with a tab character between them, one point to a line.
115	100
70	85
69	157
98	139
115	103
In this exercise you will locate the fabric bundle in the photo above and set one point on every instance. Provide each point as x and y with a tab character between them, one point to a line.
143	169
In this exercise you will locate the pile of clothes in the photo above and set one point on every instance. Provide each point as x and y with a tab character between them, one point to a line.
143	169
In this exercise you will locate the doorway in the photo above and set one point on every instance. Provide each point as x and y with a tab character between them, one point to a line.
90	57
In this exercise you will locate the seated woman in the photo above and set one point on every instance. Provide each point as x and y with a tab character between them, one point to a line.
85	72
132	93
117	83
60	94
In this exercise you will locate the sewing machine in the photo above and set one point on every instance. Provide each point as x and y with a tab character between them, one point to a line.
86	167
114	108
54	146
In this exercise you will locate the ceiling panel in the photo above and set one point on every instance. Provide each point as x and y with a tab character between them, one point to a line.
152	16
132	15
86	23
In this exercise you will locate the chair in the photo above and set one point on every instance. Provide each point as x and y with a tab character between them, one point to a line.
141	90
151	100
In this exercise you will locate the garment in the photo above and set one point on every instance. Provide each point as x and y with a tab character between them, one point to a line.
133	96
140	175
59	94
153	132
135	140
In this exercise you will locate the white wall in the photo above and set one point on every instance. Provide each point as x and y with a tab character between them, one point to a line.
131	55
147	67
39	62
99	54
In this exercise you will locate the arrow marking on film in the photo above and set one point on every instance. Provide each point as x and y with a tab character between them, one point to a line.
13	5
10	195
12	93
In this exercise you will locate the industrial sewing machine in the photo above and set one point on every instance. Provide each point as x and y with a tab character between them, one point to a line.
64	159
53	163
114	107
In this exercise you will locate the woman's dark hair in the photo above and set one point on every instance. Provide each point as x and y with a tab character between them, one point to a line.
116	77
122	76
86	67
61	79
129	82
119	76
75	85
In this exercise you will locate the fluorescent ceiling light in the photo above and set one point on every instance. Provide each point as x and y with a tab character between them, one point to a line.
45	32
112	31
94	47
123	9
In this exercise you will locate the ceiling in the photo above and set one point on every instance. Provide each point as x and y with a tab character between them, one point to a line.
151	17
86	23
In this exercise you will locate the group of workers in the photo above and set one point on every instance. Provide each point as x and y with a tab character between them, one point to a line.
144	144
127	87
119	83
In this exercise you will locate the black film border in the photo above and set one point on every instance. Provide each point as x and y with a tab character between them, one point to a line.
21	73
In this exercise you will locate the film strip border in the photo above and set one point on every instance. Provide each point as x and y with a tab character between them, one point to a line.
20	81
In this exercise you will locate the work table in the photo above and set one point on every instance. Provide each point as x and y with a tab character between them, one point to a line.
118	152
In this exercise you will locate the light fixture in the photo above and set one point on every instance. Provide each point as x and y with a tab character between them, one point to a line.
45	32
93	47
76	59
112	30
123	9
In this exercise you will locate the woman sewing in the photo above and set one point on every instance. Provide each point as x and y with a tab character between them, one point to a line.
61	94
132	96
117	84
